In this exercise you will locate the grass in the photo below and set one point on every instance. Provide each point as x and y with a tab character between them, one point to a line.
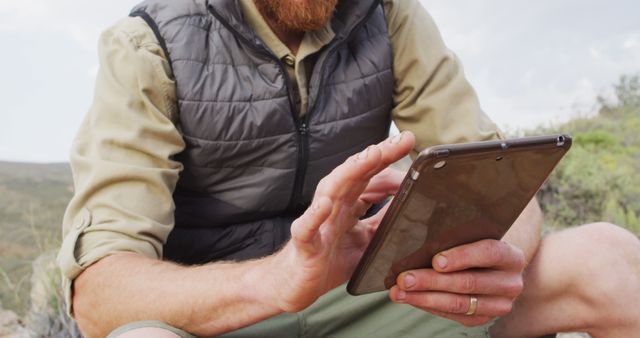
32	202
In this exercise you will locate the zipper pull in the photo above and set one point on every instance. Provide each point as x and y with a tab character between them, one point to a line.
303	129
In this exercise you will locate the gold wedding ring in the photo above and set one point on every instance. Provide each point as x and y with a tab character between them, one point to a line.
473	306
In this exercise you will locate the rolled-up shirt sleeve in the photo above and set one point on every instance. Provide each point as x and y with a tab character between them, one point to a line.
121	158
432	97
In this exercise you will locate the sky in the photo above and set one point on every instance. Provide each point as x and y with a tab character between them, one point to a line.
531	62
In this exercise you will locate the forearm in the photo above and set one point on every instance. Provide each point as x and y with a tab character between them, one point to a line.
326	243
525	231
204	300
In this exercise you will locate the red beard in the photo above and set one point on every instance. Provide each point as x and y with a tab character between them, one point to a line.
298	15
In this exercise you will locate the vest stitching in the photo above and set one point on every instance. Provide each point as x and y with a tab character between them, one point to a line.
238	166
370	110
314	94
215	28
236	141
169	21
368	140
352	55
369	39
376	29
186	60
346	82
230	102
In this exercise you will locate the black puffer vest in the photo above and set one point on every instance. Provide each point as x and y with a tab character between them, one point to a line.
251	164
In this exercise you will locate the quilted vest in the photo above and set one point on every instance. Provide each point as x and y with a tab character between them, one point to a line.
251	164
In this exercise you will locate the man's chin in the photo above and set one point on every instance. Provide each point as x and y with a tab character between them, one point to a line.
299	15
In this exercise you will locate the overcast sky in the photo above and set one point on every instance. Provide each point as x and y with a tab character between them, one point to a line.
530	61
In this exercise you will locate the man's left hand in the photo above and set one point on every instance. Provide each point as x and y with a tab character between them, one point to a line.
487	273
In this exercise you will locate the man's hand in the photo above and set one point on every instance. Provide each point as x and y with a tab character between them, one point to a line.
328	240
489	270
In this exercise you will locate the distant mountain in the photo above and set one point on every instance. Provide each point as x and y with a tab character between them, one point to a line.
50	171
33	194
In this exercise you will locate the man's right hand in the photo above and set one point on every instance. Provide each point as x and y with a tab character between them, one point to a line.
211	299
328	240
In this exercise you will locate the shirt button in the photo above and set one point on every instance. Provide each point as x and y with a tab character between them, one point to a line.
290	60
81	224
84	219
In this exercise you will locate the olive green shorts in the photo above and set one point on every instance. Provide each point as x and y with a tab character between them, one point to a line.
338	314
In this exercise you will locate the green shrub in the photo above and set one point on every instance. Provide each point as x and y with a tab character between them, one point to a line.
599	179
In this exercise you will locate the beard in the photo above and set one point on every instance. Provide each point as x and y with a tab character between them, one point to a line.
298	15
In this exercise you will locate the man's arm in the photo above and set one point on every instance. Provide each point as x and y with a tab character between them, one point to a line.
327	242
204	300
432	97
526	230
122	213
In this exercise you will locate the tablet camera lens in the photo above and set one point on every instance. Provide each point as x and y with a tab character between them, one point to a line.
439	165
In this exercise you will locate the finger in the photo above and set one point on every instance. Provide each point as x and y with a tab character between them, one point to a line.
471	282
374	221
486	253
382	185
342	220
360	208
348	181
396	147
452	303
304	230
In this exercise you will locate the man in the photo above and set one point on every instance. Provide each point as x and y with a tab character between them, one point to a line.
213	125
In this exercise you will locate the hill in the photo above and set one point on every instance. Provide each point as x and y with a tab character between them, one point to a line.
599	179
32	201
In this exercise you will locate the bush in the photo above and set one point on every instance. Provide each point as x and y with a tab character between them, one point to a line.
599	179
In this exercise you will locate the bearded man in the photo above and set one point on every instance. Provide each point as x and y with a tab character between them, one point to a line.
201	207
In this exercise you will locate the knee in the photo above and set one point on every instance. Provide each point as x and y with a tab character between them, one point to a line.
607	266
611	245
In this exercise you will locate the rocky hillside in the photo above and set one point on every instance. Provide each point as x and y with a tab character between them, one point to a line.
11	325
32	202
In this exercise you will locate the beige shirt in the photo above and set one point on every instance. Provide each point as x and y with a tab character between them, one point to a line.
121	157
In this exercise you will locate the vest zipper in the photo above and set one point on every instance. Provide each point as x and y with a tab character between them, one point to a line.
302	137
301	170
295	205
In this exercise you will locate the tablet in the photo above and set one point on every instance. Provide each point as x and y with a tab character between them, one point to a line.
453	195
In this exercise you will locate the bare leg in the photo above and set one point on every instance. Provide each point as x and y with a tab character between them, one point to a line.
584	279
